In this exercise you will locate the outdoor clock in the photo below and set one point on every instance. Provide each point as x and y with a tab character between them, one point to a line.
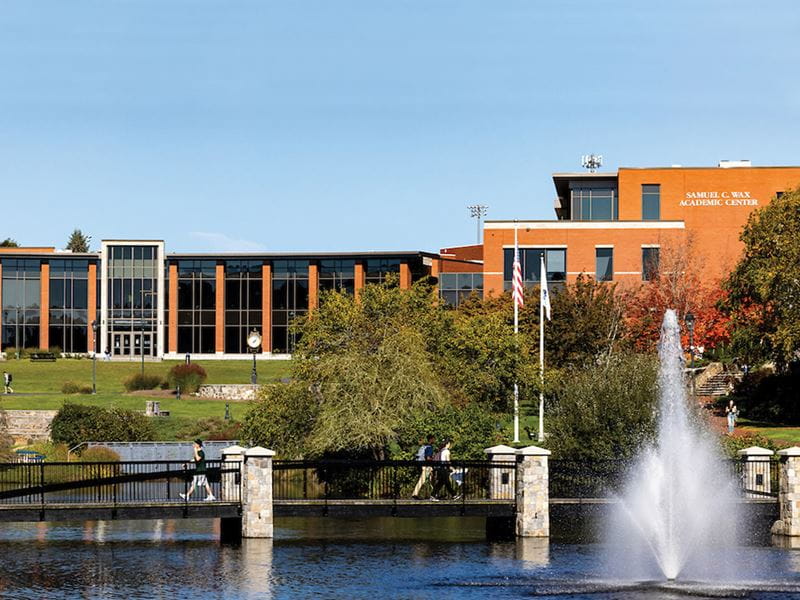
254	340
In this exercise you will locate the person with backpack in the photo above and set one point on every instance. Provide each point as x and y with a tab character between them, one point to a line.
443	471
7	378
424	455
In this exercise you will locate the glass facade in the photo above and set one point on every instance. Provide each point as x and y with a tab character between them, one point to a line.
604	264
69	305
651	202
289	301
555	260
376	269
243	303
197	302
131	299
21	302
595	204
649	263
339	275
454	288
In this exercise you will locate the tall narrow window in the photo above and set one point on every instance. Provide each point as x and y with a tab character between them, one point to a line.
604	264
649	263
651	202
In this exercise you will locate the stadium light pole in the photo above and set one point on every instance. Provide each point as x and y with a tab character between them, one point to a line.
478	211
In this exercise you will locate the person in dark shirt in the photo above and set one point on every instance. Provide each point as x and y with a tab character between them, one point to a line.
199	478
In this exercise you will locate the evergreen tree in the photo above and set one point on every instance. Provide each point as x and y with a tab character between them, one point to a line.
9	243
78	242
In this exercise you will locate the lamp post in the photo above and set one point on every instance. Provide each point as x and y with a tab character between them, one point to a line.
141	334
689	319
253	344
94	356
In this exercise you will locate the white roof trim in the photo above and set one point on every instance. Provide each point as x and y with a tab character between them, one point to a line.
585	225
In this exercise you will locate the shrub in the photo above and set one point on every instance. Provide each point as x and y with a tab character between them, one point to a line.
141	381
732	444
76	423
52	451
99	454
70	387
763	395
187	377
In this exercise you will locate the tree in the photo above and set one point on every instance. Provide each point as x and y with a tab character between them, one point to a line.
764	288
679	285
78	242
604	411
9	243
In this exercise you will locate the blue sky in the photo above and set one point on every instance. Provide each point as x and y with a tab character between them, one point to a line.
366	125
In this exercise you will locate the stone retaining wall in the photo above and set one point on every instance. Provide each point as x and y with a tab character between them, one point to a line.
228	391
27	425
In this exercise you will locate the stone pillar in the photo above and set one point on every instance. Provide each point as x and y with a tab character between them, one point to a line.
501	481
755	471
533	498
789	493
257	493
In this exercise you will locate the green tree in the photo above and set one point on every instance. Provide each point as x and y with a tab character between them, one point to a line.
604	411
76	423
78	242
6	441
9	243
764	288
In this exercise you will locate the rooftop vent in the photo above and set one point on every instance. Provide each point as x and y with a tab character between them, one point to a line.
728	164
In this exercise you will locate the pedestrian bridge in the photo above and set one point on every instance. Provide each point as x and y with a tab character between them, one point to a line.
251	487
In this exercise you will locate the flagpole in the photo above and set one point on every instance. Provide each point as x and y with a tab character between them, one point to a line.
516	342
542	275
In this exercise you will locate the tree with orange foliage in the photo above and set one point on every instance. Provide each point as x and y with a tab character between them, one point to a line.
678	284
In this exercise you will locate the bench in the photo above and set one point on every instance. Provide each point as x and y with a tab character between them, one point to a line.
43	356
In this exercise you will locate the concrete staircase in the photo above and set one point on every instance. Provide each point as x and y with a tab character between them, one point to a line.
718	384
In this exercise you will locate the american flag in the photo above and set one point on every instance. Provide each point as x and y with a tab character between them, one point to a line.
517	287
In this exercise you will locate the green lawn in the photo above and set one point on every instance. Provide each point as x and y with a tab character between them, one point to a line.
37	386
782	436
525	420
34	377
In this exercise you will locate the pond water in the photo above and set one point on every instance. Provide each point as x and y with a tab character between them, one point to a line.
328	558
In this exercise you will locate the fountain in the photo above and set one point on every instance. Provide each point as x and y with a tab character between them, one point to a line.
678	514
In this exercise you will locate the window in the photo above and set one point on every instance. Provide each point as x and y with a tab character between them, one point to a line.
339	275
604	264
454	288
243	303
197	301
594	204
555	260
21	298
289	301
649	263
651	202
376	269
69	302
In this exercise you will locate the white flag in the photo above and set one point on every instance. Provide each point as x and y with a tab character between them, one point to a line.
544	294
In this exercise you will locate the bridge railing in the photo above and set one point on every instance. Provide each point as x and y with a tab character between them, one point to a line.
606	478
392	480
114	482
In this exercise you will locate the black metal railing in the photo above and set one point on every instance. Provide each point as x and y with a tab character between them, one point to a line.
131	482
757	478
607	478
392	480
587	479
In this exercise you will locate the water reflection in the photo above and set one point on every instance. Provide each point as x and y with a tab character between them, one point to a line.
433	559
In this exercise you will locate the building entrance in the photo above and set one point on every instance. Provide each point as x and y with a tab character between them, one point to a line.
133	344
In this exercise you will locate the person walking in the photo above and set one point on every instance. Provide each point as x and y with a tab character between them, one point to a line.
199	478
443	470
732	413
424	455
7	379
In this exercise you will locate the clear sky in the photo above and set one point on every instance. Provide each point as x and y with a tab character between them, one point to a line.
367	125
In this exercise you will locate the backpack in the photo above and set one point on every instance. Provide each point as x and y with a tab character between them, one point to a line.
437	456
